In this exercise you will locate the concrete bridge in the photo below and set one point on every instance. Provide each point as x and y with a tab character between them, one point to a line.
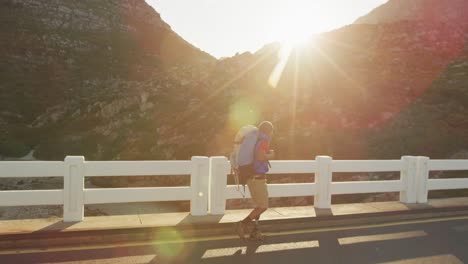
413	229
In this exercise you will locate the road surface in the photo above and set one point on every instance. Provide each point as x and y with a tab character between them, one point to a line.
420	241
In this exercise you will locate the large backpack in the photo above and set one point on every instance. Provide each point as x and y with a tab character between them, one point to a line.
243	156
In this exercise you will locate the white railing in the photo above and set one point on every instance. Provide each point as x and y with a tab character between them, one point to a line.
208	190
413	185
74	196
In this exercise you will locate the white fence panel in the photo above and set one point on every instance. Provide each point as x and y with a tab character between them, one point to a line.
366	165
73	184
448	165
17	169
447	184
275	190
36	197
323	179
219	169
199	180
408	176
292	189
137	168
293	166
205	191
130	195
235	192
366	187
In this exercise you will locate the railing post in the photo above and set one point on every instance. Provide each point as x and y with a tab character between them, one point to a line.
422	179
73	189
219	169
408	178
199	186
323	179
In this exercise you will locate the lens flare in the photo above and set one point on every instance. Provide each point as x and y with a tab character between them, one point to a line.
243	113
174	246
283	57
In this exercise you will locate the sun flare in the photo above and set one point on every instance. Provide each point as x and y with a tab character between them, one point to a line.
297	29
297	25
223	28
296	36
290	43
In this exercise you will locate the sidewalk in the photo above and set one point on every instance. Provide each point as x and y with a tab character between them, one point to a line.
34	227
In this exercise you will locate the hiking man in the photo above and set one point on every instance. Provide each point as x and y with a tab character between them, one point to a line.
257	182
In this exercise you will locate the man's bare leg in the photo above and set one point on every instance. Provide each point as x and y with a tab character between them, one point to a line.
242	226
255	233
255	214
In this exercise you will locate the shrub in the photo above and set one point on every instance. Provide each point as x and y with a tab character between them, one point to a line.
13	148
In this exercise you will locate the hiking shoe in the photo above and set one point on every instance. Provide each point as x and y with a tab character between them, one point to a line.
241	229
256	235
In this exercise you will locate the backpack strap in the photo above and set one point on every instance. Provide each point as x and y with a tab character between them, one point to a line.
255	148
240	141
236	179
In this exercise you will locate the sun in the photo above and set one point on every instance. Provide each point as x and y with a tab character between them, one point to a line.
292	42
297	24
297	29
295	37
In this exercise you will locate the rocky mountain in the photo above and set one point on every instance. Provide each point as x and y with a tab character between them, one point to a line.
61	60
363	91
435	124
110	80
448	11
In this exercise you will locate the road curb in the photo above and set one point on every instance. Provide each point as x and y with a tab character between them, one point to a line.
50	238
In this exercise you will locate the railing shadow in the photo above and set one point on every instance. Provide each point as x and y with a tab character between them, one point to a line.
137	208
57	226
189	220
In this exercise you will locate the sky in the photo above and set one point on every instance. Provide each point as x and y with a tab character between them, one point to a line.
225	27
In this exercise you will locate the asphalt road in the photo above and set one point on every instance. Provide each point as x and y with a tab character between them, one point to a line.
421	241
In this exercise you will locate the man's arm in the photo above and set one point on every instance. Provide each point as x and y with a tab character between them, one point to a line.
270	155
262	154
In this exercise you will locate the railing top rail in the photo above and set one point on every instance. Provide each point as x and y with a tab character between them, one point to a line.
137	168
291	166
442	165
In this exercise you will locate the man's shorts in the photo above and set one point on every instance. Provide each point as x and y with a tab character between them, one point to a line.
246	171
259	192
